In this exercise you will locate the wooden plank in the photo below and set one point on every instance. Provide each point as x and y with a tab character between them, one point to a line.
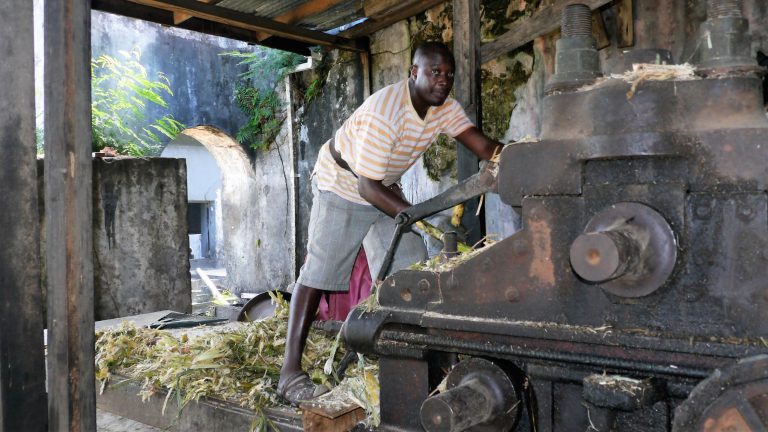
373	25
377	9
163	17
180	17
365	65
545	20
625	24
68	210
312	7
315	422
22	364
598	30
466	49
254	23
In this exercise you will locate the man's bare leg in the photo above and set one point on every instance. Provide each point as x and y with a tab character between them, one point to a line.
304	303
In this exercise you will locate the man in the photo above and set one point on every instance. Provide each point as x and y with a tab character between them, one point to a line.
357	196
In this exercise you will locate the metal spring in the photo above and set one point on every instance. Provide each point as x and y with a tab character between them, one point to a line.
724	9
577	21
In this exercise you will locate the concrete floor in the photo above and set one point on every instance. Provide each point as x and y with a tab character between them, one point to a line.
108	422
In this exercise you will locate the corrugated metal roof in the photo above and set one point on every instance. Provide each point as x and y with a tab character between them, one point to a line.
249	20
262	8
338	15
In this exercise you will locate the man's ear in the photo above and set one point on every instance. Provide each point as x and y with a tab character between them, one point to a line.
414	71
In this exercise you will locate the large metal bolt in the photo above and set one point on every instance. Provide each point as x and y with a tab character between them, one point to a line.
576	60
724	9
457	409
628	248
450	244
726	45
602	256
576	21
479	392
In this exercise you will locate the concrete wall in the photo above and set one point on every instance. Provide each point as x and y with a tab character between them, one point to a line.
253	217
140	244
203	186
203	175
202	80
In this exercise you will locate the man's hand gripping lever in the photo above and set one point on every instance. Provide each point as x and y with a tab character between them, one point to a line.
478	184
403	222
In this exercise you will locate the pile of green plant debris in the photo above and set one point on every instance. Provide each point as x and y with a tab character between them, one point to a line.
236	364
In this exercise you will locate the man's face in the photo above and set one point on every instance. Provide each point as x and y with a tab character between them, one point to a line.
433	78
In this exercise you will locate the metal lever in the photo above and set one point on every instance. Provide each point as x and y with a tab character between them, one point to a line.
387	263
480	183
477	184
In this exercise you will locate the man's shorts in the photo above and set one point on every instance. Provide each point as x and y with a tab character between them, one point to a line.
337	228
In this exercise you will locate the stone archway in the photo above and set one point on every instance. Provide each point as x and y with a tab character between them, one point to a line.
250	218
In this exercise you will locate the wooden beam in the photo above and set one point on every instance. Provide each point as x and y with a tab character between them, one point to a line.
466	49
68	211
545	20
598	30
22	362
163	17
180	17
625	24
312	7
377	9
372	25
254	23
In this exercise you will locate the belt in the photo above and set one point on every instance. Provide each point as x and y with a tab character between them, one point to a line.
337	157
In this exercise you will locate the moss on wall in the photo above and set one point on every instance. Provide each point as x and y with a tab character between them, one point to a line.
500	79
440	158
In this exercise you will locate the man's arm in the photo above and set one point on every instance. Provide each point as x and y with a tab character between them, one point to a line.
479	143
383	198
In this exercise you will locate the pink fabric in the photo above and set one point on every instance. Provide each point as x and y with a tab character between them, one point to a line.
336	305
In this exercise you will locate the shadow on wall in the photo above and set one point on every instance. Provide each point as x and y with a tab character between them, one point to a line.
234	203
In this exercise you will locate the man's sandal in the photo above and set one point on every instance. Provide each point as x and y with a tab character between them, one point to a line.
300	388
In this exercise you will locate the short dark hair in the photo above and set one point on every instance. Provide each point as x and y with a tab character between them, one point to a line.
430	48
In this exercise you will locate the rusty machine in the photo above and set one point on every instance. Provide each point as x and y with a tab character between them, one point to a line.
635	298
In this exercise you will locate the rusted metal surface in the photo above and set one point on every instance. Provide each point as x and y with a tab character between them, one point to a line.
22	365
670	177
478	395
735	398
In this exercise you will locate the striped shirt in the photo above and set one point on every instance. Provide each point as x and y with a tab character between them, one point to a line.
383	138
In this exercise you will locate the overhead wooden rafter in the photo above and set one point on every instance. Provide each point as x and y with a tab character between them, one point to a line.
165	18
540	23
310	8
180	17
405	9
253	23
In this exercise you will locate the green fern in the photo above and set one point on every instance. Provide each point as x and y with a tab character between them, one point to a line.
257	97
121	92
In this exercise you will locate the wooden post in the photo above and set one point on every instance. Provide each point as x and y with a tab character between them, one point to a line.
466	49
22	361
68	211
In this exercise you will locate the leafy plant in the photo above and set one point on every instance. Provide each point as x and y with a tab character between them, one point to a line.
121	94
257	97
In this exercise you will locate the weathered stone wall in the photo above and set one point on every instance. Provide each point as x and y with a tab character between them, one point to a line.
253	218
140	243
